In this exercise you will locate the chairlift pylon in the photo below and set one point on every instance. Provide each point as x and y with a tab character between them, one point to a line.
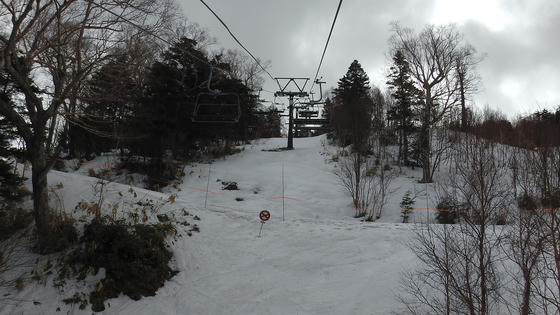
216	106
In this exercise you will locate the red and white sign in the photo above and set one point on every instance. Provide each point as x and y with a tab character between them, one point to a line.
264	215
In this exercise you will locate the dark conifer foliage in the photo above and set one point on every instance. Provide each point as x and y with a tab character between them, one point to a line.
327	110
163	116
406	97
266	123
353	107
165	113
150	112
10	183
110	97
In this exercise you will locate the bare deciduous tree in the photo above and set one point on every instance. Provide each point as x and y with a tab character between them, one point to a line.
467	79
532	242
351	169
458	273
525	244
434	55
49	50
367	177
245	69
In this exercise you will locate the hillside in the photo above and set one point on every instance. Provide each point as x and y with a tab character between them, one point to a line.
319	260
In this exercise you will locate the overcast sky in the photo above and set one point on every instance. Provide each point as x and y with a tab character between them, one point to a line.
520	73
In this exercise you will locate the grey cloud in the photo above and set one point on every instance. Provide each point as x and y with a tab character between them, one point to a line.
292	34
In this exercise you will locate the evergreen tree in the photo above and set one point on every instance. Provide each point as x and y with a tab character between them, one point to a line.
406	206
109	100
164	115
327	109
267	123
10	183
172	87
10	189
327	114
354	106
406	96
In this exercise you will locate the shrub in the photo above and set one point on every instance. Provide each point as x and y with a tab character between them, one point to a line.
77	299
59	165
11	189
13	219
135	258
63	234
162	172
447	210
527	202
552	199
220	149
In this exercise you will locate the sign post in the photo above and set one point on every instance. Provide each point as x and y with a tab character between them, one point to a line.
264	216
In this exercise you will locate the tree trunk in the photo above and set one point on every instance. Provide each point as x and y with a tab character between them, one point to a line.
39	170
425	154
400	141
463	102
526	304
405	145
426	148
482	266
51	131
556	251
357	176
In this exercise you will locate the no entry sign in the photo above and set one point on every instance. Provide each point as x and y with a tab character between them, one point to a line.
264	215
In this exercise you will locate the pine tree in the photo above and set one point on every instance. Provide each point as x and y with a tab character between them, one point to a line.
109	99
406	97
10	187
406	206
172	87
354	106
10	183
327	109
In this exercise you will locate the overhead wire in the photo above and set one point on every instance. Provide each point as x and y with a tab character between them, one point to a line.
326	44
237	40
145	30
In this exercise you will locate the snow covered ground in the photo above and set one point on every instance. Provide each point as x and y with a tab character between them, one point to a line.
319	260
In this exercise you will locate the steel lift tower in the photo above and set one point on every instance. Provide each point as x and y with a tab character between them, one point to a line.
298	92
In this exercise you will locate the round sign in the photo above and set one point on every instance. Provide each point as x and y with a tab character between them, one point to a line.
264	215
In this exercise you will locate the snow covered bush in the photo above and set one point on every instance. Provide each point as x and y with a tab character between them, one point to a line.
135	258
447	210
124	246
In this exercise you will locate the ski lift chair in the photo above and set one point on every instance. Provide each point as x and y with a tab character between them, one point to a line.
215	106
308	113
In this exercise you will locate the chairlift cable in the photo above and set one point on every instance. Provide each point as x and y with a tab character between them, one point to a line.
326	45
235	38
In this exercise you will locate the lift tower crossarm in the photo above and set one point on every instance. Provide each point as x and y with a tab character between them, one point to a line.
299	93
